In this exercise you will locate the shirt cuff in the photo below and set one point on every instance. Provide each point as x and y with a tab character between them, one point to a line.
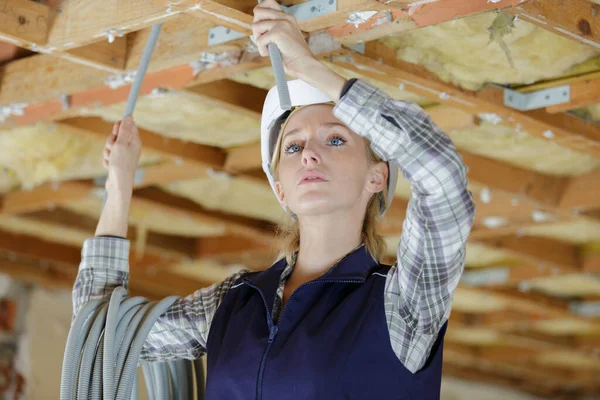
347	87
103	252
112	236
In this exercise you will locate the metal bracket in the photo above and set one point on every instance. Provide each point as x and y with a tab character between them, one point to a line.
311	9
538	99
221	34
302	12
358	47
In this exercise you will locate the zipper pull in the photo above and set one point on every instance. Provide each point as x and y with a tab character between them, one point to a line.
272	333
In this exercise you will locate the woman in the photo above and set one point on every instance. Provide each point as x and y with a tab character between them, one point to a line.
327	321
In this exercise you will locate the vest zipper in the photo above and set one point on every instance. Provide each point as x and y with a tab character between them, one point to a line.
272	333
273	329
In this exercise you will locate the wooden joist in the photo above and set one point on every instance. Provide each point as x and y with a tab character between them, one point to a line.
402	18
540	251
578	20
175	149
562	129
24	20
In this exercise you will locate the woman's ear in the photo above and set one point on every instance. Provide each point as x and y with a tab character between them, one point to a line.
377	177
280	194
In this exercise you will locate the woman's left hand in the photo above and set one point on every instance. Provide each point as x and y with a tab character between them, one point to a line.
272	25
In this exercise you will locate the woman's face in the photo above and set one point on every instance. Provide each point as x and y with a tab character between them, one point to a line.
324	166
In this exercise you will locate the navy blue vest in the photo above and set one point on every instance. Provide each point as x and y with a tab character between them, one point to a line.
331	341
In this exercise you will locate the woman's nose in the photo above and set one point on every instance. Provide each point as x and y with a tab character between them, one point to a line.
310	155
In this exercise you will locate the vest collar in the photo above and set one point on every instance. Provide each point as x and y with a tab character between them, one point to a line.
356	265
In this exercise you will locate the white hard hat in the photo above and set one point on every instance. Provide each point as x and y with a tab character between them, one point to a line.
301	94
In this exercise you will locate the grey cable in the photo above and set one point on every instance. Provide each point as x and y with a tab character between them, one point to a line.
141	71
106	338
108	371
136	86
279	73
88	359
280	78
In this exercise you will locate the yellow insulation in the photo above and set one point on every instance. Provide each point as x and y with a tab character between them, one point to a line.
263	78
523	150
188	117
173	223
250	197
578	232
42	152
567	285
566	326
460	52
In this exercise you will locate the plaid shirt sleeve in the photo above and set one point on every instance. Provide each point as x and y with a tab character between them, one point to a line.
431	254
181	332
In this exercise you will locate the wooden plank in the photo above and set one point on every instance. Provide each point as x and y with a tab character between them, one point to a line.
174	248
533	185
591	263
193	153
48	196
102	55
582	192
562	129
159	201
584	89
24	20
151	285
42	250
210	248
95	92
238	97
577	20
182	40
393	21
44	196
233	14
78	23
542	251
243	158
44	77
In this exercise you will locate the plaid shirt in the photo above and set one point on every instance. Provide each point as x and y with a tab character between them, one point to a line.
430	258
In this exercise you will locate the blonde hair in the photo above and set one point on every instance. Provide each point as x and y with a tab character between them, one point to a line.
289	232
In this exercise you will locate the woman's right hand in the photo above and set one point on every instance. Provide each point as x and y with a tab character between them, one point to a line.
121	155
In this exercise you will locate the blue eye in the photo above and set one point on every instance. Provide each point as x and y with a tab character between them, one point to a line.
336	141
292	148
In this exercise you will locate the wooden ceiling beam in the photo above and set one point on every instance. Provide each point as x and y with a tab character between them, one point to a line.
43	250
584	91
49	195
574	19
188	152
380	62
581	192
24	20
540	251
151	285
258	231
402	18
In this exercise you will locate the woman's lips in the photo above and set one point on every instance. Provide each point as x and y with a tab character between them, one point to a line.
312	180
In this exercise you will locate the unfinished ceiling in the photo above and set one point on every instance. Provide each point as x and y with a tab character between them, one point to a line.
527	313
